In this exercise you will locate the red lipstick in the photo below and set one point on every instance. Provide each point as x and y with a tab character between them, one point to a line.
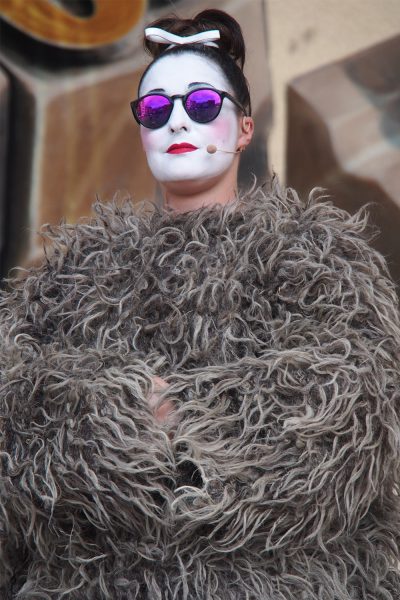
180	148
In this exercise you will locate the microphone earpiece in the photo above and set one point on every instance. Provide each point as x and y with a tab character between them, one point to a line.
212	149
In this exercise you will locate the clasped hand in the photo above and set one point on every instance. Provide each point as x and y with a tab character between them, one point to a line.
163	412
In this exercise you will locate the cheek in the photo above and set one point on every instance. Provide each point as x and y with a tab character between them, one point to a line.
224	129
151	139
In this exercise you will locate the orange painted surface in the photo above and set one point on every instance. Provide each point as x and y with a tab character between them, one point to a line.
54	24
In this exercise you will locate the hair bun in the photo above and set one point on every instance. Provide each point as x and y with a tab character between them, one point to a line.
231	40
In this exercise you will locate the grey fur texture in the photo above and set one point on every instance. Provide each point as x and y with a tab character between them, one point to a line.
277	327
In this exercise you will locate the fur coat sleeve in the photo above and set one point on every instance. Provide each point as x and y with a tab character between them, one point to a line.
277	327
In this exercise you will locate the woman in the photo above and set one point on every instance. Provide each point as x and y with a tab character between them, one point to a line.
192	172
275	327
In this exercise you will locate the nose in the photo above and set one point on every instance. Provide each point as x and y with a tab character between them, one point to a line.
179	118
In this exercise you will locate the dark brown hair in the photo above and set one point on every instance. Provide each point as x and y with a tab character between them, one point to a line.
230	54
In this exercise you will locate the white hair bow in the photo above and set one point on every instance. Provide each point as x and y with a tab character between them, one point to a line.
160	36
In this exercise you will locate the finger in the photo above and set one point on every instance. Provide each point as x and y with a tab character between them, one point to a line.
159	383
163	412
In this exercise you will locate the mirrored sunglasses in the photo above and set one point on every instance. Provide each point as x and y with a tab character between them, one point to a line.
202	105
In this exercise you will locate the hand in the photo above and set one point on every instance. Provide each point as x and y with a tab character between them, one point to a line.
162	413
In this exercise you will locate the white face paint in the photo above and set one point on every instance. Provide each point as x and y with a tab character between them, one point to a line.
177	75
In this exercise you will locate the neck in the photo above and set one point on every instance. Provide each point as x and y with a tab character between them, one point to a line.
187	196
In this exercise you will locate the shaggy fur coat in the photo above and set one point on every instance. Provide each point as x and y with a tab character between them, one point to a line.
276	326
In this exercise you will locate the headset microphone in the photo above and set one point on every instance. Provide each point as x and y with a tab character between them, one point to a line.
212	149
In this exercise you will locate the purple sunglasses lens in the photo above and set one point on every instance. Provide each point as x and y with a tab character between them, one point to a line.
154	111
203	105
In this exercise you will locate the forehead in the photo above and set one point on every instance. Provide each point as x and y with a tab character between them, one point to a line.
174	73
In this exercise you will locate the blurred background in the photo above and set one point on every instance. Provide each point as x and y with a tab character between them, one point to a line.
325	82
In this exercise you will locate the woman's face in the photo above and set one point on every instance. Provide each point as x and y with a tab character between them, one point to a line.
177	75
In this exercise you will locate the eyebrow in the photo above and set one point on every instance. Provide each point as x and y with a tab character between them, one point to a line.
193	84
200	83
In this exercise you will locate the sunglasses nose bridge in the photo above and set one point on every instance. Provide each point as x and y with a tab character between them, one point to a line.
179	119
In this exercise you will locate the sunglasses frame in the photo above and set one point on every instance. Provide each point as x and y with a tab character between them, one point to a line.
184	97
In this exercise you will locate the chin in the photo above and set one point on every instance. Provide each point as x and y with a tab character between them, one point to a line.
185	171
189	185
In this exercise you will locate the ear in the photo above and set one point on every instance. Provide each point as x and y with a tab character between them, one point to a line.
246	130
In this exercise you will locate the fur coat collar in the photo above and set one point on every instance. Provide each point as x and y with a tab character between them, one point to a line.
276	326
